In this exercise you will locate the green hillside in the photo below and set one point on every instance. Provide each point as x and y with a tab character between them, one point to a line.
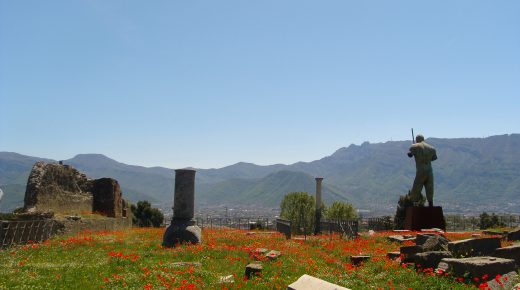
471	175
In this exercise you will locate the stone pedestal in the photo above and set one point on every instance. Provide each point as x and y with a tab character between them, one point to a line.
183	228
418	217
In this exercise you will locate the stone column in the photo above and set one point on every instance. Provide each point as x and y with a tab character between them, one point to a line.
183	228
317	227
184	198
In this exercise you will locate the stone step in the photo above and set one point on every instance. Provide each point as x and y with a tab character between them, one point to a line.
511	252
409	253
477	266
430	259
474	247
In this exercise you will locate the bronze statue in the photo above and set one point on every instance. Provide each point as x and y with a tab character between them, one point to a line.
424	154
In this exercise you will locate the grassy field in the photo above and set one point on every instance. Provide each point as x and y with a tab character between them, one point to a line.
135	259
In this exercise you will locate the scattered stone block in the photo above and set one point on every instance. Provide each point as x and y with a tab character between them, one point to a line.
229	279
430	259
393	255
511	252
504	282
514	235
186	264
307	282
261	250
409	253
357	260
273	255
253	269
421	238
435	243
478	266
401	239
474	247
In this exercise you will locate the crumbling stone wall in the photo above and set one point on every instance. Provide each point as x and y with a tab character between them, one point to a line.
107	197
64	190
57	188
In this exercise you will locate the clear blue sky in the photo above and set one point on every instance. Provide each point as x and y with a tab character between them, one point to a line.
211	83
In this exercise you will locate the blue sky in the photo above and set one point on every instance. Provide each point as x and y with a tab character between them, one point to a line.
211	83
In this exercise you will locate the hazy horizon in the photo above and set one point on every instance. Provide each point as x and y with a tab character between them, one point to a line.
243	161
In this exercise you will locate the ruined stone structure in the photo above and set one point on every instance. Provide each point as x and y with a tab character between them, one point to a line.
107	197
183	228
62	189
317	227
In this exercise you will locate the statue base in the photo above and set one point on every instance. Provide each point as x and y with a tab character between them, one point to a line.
418	217
182	231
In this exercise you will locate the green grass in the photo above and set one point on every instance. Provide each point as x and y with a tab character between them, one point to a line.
135	259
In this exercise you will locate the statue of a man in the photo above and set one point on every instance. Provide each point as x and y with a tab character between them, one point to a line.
424	154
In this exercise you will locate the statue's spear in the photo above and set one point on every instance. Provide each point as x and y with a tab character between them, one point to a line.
413	137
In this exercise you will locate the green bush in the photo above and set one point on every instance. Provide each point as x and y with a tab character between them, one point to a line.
146	216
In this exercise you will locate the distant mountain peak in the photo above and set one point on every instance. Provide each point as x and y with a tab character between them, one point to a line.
92	159
91	155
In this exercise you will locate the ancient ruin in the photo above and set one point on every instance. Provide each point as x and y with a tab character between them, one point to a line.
183	228
62	189
317	229
469	258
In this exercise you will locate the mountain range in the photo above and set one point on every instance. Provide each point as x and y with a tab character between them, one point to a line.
471	175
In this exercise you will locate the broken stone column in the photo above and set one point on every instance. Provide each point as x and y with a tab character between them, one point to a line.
317	228
183	228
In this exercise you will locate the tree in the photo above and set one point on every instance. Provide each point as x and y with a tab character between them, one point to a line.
340	210
299	208
489	221
146	216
